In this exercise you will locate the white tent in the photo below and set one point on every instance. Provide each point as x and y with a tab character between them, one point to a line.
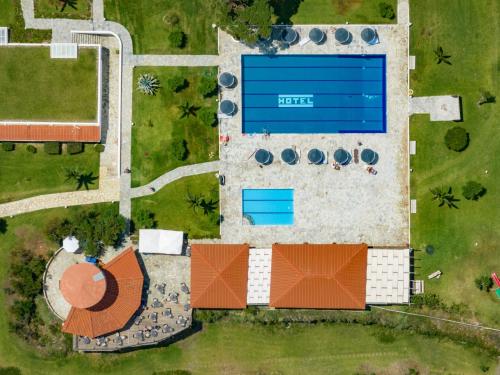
160	241
71	244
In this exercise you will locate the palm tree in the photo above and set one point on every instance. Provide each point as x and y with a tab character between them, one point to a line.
72	174
188	110
84	180
441	57
70	3
193	201
208	207
148	84
444	196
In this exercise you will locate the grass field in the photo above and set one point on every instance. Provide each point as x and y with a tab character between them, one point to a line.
36	87
466	239
147	23
82	9
25	174
173	212
341	11
11	16
156	121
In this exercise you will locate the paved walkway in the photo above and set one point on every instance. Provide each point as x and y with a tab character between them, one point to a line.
403	12
175	60
176	174
440	108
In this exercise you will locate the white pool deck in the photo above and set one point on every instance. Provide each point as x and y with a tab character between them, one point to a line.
343	206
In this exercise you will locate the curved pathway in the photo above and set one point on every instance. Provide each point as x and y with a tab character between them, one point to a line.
171	176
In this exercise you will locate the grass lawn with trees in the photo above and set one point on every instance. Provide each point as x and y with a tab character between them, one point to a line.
77	9
12	17
335	12
173	211
466	239
36	87
25	174
151	22
157	123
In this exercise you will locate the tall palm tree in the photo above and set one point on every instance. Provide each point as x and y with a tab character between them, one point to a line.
208	207
187	110
444	196
441	57
69	3
84	180
193	201
148	84
72	174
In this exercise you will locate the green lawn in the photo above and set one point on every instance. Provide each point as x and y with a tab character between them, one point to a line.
156	120
148	24
36	87
82	9
25	174
11	16
173	212
341	11
466	239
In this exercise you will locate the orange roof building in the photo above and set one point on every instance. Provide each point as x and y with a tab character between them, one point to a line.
43	132
219	275
318	276
121	299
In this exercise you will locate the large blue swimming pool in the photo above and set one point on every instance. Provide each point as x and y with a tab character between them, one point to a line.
313	93
268	206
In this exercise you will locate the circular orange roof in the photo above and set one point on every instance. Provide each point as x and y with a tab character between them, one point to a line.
83	285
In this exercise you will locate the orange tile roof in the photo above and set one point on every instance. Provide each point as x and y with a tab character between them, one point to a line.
83	285
43	132
122	299
219	275
319	276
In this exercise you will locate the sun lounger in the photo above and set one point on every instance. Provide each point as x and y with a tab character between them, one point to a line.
435	275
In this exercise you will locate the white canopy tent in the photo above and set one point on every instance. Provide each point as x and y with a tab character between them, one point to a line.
159	241
71	244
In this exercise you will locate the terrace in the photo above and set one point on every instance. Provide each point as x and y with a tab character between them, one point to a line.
349	203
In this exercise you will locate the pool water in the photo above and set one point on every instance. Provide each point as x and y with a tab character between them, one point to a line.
314	93
268	206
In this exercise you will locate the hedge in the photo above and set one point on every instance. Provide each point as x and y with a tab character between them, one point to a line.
74	148
8	146
52	148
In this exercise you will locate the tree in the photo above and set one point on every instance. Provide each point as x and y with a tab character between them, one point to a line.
85	179
456	139
251	22
208	206
58	228
444	196
3	226
187	110
178	148
177	39
70	3
148	84
484	283
208	85
386	10
441	56
207	116
193	200
145	219
177	83
473	190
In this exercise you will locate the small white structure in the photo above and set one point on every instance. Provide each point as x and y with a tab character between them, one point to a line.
4	35
159	241
71	244
64	51
388	276
411	62
259	276
440	108
413	147
413	206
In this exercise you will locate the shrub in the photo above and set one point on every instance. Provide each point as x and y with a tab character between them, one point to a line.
484	283
177	39
3	226
58	228
145	219
148	84
486	97
208	85
99	147
177	83
427	299
31	149
171	19
178	148
473	190
52	148
74	148
386	10
456	139
10	371
207	116
8	146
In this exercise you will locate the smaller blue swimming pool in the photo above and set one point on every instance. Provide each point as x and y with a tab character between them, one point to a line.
268	206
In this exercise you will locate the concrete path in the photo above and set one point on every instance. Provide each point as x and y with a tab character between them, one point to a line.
403	12
176	174
440	108
175	60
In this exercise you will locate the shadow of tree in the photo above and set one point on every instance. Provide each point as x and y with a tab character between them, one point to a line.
285	9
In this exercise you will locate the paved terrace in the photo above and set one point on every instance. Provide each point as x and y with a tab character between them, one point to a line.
163	275
344	206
